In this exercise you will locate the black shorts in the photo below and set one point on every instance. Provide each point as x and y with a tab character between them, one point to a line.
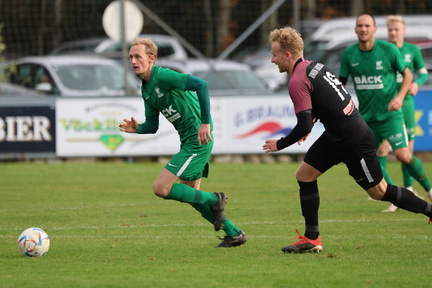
360	158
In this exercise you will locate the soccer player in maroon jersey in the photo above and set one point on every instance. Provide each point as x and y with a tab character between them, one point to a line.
317	94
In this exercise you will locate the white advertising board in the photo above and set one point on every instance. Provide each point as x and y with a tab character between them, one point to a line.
249	121
89	127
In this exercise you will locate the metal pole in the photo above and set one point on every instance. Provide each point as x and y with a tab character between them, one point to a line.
123	44
249	31
296	15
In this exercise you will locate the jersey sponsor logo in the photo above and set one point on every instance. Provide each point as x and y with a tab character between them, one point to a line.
355	64
407	58
379	65
172	165
158	92
316	70
171	114
364	82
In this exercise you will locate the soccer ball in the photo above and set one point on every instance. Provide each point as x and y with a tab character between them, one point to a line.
33	242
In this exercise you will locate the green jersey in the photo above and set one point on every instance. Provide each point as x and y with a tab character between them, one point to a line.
414	59
374	76
166	93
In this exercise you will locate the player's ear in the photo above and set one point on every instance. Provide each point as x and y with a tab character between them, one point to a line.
288	54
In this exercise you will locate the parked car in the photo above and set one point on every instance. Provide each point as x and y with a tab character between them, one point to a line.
259	59
8	89
74	75
168	47
224	77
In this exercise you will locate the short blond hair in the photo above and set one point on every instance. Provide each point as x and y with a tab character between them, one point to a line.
289	39
150	46
395	18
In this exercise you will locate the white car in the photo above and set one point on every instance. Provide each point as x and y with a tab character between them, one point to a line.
223	77
168	47
74	75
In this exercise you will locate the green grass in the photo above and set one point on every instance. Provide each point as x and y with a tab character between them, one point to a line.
107	229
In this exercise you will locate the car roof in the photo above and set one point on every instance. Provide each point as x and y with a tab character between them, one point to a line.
412	35
168	45
336	26
59	60
192	65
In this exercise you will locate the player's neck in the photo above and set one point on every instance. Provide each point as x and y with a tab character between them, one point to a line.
367	45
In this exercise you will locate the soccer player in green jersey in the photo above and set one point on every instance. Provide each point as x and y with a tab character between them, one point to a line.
373	65
184	101
414	59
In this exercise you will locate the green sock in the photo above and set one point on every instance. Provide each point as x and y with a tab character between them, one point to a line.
383	162
407	179
229	228
184	193
416	170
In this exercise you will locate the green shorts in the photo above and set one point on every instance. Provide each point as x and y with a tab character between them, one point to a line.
392	129
408	110
191	162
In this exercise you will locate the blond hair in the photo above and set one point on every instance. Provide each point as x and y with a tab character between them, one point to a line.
395	18
150	46
289	39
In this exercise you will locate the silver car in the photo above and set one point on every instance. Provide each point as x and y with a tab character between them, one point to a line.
74	75
223	77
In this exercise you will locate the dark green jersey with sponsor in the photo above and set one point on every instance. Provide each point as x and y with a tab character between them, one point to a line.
374	76
165	93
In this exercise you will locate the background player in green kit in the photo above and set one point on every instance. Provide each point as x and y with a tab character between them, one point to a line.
184	101
373	65
414	59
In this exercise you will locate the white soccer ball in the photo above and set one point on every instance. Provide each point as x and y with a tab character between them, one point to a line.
33	242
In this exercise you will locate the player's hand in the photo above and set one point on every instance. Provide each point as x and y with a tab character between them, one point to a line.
395	104
270	146
129	126
303	139
413	90
204	136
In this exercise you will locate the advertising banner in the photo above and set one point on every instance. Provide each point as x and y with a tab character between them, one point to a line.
248	122
423	114
27	129
89	127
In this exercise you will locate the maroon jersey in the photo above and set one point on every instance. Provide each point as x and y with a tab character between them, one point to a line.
313	87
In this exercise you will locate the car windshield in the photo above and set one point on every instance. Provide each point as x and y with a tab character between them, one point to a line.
91	77
231	79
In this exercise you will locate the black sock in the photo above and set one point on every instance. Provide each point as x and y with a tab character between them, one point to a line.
405	199
309	201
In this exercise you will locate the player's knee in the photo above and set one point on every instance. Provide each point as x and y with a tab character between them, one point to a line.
377	195
304	177
160	190
378	191
404	158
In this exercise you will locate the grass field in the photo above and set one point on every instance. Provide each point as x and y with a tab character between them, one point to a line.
107	229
